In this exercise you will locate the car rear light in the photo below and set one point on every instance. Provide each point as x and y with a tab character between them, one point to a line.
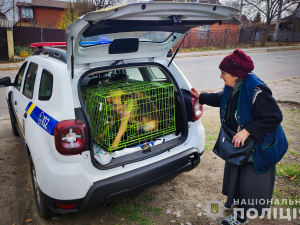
71	206
197	108
70	137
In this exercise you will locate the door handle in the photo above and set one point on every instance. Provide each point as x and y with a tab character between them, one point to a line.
25	115
15	102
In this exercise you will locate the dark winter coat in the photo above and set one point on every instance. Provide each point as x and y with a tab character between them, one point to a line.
266	113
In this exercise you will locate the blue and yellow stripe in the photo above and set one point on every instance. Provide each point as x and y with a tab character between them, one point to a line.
29	108
44	120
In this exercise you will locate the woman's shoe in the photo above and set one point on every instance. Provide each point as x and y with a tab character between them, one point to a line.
230	220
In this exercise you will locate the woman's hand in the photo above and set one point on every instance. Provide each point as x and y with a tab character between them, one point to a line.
240	138
195	92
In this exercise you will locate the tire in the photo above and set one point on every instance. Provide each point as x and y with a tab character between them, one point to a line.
13	126
42	208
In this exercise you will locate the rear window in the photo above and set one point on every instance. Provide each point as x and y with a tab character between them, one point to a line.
143	36
143	73
46	86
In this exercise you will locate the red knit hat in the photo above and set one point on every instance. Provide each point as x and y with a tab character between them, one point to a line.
237	64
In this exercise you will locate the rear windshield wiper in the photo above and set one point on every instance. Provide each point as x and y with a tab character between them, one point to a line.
177	50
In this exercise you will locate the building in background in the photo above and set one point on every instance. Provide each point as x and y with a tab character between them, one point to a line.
292	22
41	13
230	25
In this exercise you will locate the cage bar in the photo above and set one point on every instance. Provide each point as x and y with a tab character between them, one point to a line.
127	113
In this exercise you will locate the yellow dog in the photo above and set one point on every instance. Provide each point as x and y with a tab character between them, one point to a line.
135	108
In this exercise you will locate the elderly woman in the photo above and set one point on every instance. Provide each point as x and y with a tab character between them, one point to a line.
244	187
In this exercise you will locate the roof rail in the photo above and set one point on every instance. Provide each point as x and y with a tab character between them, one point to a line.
55	53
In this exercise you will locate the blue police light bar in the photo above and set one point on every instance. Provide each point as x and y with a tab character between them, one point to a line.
83	43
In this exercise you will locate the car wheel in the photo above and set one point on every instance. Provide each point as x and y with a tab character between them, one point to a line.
43	210
13	126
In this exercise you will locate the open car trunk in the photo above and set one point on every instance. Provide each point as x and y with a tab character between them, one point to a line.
135	112
133	108
90	37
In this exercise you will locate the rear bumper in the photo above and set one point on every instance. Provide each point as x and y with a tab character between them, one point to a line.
133	182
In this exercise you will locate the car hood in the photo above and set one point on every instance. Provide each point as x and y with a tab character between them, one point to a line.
138	17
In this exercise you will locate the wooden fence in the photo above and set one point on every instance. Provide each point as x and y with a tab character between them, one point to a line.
3	45
220	39
24	36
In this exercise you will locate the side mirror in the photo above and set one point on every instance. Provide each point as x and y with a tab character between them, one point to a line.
5	82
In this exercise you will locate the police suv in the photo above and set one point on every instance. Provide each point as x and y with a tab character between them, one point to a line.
48	111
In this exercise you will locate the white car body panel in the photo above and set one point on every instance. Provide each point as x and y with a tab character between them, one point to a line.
82	174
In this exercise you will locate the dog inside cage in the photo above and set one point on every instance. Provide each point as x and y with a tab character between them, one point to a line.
130	107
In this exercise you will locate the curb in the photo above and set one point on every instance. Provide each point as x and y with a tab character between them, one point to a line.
291	102
226	52
10	66
19	59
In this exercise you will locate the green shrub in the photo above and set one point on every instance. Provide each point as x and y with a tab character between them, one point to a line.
22	49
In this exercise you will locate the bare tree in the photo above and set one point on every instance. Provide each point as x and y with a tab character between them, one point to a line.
83	6
102	4
233	4
6	6
270	9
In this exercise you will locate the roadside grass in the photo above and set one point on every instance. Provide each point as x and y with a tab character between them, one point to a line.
212	127
148	198
291	202
198	49
137	212
291	171
294	153
210	142
287	185
270	44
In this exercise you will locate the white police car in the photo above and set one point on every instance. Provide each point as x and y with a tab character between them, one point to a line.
48	111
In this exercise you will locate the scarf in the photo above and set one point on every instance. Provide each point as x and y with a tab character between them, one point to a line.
237	87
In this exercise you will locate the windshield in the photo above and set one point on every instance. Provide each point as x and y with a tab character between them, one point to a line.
143	36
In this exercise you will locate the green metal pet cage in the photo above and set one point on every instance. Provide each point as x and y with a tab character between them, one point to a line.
127	112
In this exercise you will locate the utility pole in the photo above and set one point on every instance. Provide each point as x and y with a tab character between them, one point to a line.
240	15
240	18
241	8
278	20
13	12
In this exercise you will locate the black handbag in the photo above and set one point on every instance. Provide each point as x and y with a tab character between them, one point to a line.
225	149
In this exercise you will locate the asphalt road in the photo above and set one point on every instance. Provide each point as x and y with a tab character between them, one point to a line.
204	74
